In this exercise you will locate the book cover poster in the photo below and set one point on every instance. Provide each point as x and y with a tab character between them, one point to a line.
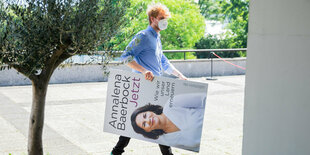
165	111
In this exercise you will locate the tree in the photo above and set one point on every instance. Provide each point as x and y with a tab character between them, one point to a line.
36	36
214	42
233	12
186	25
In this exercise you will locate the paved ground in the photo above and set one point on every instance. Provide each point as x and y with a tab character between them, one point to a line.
74	120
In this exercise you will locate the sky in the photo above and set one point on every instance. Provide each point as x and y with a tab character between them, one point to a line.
214	27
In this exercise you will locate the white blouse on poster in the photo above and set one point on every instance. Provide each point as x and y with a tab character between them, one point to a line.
186	112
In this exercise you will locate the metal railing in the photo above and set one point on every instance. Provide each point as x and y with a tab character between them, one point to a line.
200	50
190	50
204	50
210	55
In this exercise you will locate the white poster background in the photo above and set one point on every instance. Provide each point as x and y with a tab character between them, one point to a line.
183	103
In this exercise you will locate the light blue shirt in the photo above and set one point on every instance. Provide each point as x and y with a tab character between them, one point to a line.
146	49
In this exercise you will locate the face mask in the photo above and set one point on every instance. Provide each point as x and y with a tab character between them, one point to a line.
163	24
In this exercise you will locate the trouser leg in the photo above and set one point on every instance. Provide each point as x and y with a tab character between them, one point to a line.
165	150
121	144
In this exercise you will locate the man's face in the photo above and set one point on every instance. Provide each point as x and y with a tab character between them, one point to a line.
157	19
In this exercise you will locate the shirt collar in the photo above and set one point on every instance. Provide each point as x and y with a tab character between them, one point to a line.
150	28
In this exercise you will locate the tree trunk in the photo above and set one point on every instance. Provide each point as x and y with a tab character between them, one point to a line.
36	122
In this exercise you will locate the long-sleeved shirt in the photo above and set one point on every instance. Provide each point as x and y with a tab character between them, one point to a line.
146	49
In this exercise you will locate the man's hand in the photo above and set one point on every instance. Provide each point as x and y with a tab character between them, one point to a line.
178	74
148	75
182	77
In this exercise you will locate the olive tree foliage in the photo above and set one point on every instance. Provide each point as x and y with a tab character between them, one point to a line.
186	25
35	33
36	36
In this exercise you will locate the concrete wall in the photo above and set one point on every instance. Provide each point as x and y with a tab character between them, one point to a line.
92	73
277	105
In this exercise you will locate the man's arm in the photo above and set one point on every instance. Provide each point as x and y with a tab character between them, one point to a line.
132	49
147	74
170	69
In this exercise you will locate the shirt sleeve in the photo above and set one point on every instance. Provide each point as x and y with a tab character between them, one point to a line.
167	66
133	49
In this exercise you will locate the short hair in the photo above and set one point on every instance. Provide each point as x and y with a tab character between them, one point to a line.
154	9
154	134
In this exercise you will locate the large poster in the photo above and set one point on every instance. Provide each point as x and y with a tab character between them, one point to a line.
165	111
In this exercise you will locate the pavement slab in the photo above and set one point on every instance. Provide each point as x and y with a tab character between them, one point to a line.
74	115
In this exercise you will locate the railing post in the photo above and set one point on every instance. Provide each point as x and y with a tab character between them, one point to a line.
211	56
184	55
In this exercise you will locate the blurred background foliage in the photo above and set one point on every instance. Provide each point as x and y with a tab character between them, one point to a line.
186	26
233	14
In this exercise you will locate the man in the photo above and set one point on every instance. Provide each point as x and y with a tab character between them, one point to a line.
144	55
